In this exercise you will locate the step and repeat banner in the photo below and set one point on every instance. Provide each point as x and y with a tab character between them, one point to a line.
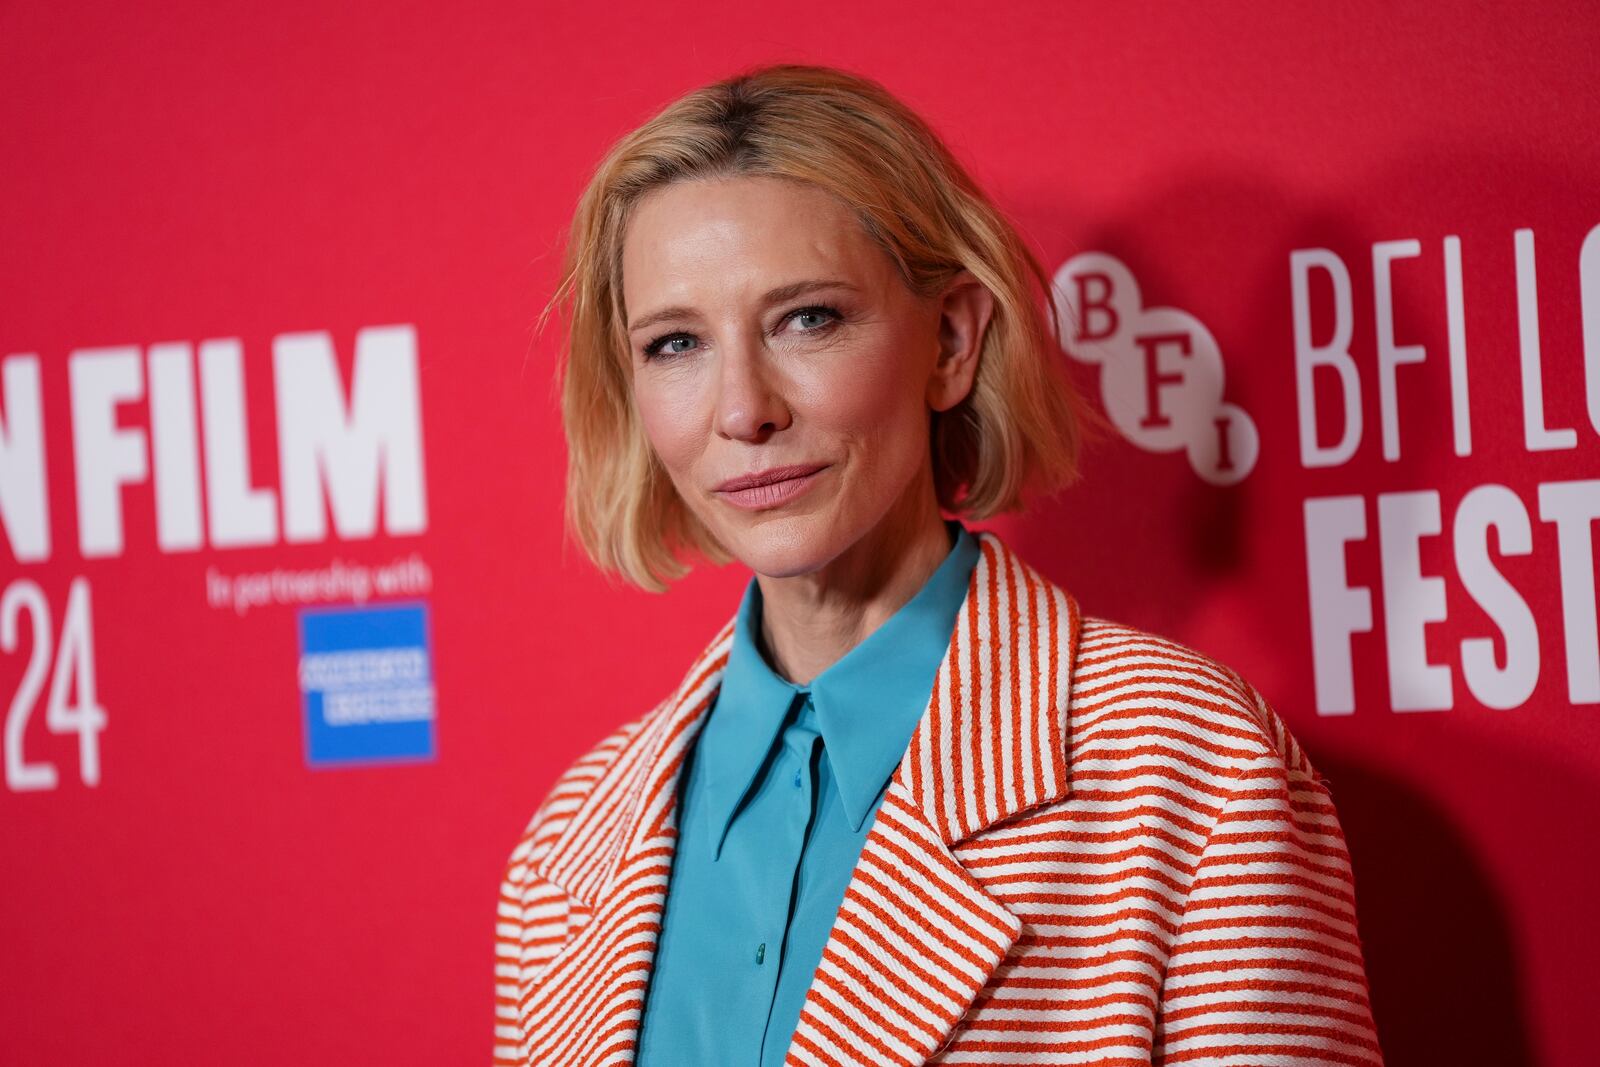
290	642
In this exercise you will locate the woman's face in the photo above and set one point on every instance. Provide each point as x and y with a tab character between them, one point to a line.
766	330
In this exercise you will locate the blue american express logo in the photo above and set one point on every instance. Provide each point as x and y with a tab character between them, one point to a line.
366	684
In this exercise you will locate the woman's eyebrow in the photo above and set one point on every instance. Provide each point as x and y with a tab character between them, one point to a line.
772	296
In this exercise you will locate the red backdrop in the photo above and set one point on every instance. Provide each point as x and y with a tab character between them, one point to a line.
210	211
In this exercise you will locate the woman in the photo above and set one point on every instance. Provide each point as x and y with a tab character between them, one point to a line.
909	805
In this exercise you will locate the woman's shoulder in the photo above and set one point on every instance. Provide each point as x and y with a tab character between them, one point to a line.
1137	694
574	782
1134	685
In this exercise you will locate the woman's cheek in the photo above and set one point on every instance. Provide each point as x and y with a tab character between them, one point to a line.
860	390
666	421
892	398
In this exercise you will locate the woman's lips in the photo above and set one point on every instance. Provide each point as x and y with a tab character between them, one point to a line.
772	494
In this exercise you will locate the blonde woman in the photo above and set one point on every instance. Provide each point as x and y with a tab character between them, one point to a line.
910	804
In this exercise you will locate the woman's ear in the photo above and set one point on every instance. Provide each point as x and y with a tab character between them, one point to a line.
964	312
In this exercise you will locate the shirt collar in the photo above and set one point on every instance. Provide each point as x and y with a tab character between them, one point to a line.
867	703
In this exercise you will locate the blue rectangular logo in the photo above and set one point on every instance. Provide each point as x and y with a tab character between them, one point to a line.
366	681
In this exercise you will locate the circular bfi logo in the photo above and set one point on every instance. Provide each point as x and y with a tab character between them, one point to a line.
1161	373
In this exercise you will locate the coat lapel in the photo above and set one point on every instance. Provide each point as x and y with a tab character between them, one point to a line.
917	936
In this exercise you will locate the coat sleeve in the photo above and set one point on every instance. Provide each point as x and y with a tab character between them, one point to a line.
534	919
1267	965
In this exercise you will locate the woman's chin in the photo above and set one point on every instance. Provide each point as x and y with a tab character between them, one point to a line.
782	547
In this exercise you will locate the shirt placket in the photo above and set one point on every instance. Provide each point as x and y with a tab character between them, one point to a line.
801	740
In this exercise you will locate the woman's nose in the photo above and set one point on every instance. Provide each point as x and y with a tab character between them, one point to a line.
750	401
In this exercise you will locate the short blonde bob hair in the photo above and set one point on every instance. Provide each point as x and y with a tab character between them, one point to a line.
1020	427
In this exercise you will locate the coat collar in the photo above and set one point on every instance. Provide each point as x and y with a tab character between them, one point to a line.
918	935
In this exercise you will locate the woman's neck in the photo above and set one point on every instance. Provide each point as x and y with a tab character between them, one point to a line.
809	621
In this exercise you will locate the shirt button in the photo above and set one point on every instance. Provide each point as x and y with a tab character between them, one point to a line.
797	779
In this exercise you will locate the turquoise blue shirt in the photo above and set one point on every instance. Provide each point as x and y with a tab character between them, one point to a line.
775	800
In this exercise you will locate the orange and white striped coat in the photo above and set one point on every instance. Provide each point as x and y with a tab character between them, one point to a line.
1100	847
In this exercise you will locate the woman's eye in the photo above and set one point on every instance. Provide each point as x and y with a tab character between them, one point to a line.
813	318
662	345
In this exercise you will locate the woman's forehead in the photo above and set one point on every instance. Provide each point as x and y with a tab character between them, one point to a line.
729	236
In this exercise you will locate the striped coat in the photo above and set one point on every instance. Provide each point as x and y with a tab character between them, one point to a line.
1100	847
